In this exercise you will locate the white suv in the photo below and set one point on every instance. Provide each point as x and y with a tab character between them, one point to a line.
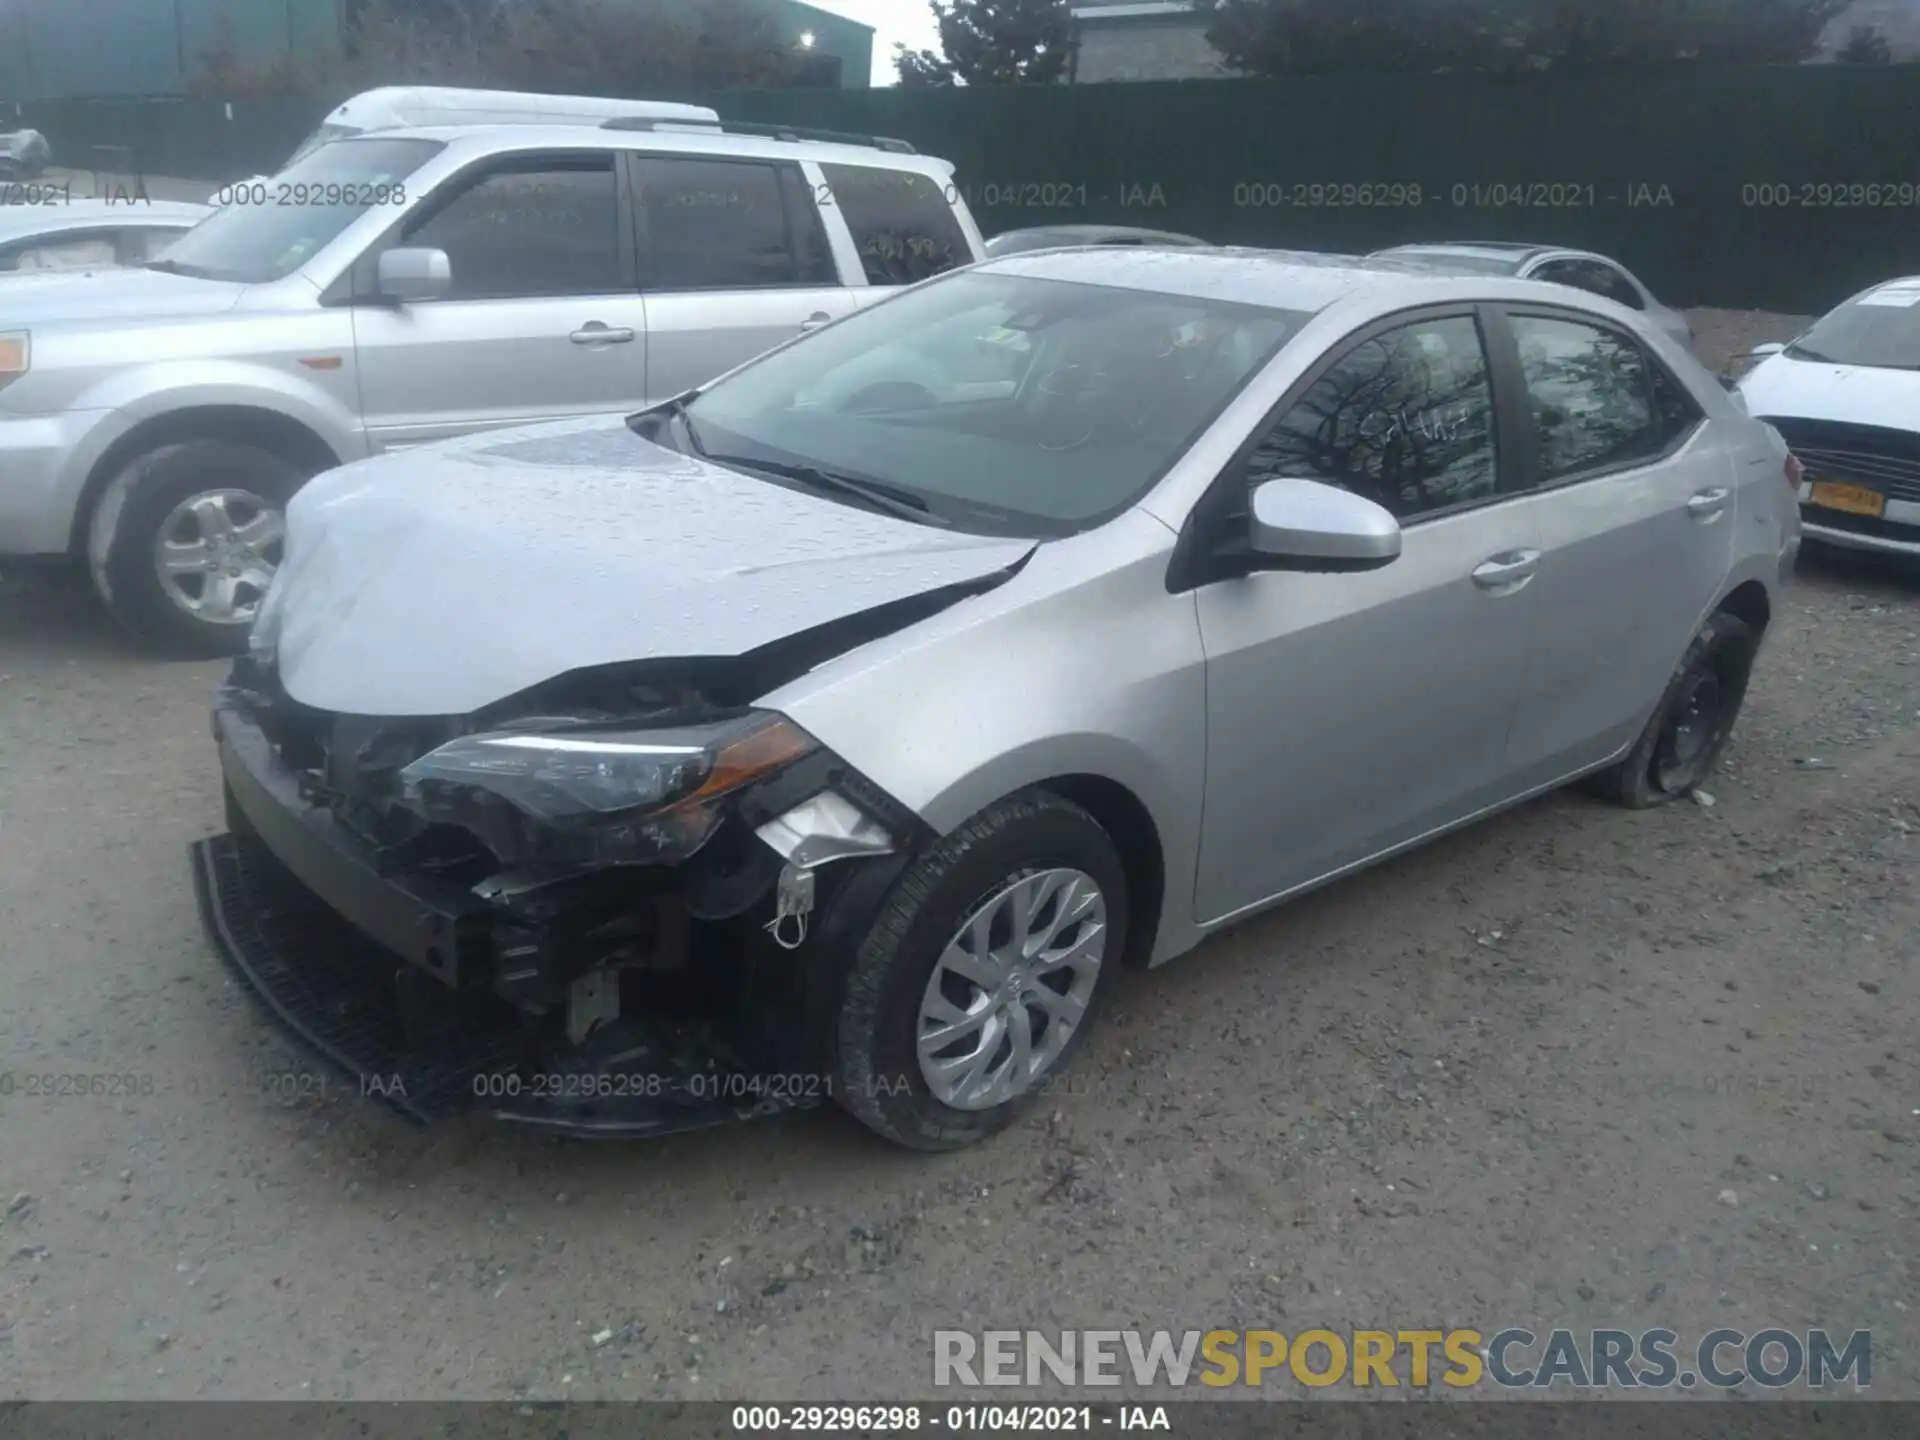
414	285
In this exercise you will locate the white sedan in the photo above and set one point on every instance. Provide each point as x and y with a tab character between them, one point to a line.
1846	398
54	234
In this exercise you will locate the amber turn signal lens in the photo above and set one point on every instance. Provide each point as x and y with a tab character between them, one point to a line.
759	752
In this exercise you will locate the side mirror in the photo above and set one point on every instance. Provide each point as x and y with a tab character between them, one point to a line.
1761	352
1305	525
407	274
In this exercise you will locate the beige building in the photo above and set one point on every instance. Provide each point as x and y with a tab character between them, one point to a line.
1146	40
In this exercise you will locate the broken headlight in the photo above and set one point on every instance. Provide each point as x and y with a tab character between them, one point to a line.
598	795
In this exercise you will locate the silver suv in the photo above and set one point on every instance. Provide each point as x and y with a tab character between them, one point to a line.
411	286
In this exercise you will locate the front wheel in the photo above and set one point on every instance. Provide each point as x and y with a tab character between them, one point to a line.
1692	723
981	974
186	540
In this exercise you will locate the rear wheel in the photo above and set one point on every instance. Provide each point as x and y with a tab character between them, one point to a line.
980	976
1692	723
186	540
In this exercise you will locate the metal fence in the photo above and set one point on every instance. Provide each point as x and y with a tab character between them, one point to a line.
1780	188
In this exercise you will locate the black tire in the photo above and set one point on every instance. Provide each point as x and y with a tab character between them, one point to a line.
876	1065
126	526
1680	747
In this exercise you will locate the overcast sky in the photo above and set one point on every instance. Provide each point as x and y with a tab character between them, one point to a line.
895	22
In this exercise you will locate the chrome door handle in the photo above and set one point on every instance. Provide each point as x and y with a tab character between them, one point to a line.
814	322
1708	503
1507	572
596	333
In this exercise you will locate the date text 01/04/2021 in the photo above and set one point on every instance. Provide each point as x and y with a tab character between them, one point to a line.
956	1419
1462	195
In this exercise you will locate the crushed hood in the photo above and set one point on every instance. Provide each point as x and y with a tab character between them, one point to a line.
1850	394
440	580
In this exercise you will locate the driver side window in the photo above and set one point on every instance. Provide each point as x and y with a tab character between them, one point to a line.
529	229
1404	419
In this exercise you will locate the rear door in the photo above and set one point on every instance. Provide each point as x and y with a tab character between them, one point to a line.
734	260
1633	490
544	320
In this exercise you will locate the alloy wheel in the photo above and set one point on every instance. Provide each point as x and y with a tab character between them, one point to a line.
216	553
1010	988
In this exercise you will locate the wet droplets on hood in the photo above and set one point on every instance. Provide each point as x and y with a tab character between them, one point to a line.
463	573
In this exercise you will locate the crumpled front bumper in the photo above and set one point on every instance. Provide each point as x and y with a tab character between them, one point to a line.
362	966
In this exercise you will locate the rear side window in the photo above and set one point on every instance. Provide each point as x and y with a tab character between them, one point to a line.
1597	401
727	225
902	223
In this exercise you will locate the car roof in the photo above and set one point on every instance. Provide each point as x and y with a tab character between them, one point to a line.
388	106
18	222
1301	282
695	139
1511	253
1097	234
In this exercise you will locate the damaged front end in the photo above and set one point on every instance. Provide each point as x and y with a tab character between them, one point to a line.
617	904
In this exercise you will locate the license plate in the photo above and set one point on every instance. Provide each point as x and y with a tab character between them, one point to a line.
1854	499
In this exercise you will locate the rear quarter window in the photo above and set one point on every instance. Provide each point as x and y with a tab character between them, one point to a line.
902	222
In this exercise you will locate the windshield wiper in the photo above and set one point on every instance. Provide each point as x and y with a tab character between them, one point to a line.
1801	352
876	493
677	408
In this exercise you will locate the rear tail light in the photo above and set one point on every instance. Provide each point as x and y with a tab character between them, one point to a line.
1794	471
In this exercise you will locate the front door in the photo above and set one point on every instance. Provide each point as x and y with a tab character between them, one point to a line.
1349	713
1633	489
543	320
734	260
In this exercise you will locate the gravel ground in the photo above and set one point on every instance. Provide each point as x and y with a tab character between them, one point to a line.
1574	1067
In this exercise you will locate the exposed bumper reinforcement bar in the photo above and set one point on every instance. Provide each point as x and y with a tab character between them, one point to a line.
430	1054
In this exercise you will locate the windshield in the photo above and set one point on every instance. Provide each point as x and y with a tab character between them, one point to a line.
285	222
1006	404
1880	330
318	138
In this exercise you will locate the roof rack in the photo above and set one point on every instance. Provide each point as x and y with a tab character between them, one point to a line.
793	133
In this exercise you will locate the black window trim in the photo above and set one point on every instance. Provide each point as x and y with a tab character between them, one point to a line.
783	186
1529	445
355	285
1198	561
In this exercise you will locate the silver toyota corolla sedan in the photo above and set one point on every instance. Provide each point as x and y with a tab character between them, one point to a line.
837	730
